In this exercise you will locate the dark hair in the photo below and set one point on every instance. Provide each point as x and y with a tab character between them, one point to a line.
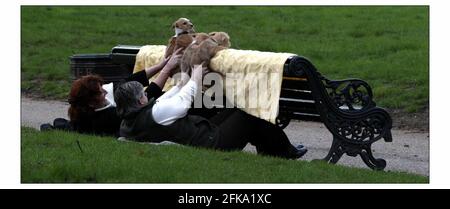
83	95
127	97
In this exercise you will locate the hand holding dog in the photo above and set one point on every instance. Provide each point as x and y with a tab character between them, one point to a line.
163	65
172	61
197	75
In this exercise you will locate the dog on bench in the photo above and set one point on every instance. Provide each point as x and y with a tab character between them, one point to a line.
204	47
184	29
222	38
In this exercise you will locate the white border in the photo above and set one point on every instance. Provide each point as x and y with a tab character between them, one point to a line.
10	123
230	2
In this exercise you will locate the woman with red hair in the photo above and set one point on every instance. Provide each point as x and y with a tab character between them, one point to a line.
92	108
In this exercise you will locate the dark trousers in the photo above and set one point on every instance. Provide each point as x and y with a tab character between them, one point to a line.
237	129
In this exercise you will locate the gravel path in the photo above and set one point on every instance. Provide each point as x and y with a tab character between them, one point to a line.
408	152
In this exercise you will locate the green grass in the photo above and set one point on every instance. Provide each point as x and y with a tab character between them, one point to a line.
386	46
55	157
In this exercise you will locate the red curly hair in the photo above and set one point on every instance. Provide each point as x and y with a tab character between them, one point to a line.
84	96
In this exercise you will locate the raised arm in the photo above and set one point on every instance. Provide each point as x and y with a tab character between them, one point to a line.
154	89
143	76
175	105
166	71
151	71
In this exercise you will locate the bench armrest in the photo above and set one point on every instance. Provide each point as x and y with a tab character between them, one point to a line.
350	94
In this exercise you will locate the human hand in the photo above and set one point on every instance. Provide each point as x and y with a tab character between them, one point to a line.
173	61
150	71
163	62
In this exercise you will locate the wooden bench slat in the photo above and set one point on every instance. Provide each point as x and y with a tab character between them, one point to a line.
296	94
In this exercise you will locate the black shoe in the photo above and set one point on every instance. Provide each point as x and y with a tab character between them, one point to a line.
302	151
296	152
46	127
61	124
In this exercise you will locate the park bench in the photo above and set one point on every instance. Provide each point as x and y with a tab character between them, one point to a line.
346	107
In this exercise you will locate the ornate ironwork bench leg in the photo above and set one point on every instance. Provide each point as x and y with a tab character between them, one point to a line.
370	160
349	113
338	148
335	153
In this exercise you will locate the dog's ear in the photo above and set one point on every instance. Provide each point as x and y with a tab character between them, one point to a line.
226	41
174	25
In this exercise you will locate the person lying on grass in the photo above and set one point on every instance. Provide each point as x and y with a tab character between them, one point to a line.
148	117
92	108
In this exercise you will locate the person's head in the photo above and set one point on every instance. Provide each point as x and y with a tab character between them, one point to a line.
85	96
129	97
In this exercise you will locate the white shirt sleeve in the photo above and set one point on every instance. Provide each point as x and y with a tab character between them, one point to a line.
172	91
168	108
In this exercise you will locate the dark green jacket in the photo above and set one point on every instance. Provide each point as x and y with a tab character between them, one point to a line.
189	130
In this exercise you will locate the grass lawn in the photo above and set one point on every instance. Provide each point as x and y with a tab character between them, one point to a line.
55	157
386	46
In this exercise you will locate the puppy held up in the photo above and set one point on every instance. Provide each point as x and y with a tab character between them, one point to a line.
183	29
203	49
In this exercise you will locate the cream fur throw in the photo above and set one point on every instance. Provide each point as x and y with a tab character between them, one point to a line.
256	76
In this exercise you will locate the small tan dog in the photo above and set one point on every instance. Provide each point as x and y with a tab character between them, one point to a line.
203	49
183	41
222	38
199	38
183	28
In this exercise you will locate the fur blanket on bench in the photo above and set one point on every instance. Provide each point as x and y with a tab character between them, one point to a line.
256	76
